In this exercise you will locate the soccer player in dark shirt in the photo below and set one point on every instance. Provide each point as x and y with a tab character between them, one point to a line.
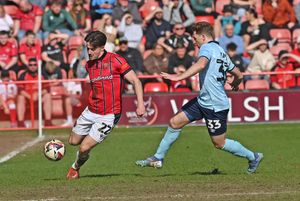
107	72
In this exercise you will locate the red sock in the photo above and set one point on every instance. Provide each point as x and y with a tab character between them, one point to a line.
13	115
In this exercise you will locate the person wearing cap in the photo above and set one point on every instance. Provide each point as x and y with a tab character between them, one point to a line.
262	60
132	31
156	27
132	56
226	18
283	81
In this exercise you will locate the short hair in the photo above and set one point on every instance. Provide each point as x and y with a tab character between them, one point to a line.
32	59
4	33
231	46
253	12
29	32
204	28
96	38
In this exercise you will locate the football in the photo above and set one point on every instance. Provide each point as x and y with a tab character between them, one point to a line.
54	150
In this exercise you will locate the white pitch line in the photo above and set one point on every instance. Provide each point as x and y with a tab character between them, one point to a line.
199	195
19	150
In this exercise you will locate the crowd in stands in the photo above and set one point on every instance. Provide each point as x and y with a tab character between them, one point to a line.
152	35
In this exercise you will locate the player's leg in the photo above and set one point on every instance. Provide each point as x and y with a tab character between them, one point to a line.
189	113
21	100
69	111
216	123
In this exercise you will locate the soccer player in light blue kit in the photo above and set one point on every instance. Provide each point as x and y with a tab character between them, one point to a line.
212	103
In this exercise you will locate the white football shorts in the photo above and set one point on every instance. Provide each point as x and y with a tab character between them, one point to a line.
96	125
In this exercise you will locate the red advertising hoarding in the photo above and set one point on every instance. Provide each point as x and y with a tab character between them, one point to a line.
270	106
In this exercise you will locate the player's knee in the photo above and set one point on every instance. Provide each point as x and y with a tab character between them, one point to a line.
84	148
219	145
73	141
173	124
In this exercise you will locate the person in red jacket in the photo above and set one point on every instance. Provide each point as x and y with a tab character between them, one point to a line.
107	72
279	14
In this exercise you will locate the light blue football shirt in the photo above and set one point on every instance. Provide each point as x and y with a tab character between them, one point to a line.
212	79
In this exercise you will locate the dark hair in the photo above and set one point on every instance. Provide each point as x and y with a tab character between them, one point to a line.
32	59
253	12
4	33
4	73
231	46
29	32
96	38
204	28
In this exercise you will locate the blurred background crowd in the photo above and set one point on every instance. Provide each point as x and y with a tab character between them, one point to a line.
152	35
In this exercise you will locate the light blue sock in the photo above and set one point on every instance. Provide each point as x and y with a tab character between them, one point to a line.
237	149
169	138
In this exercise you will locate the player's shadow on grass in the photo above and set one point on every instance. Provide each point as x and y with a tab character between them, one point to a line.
109	175
213	172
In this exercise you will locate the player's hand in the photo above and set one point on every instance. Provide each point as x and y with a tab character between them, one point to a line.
140	110
168	76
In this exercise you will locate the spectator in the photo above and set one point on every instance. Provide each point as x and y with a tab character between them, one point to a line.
241	6
40	3
77	66
179	36
236	59
283	81
296	5
6	22
29	91
178	11
101	7
81	16
53	72
132	56
179	62
30	48
262	61
53	51
8	93
28	17
8	53
203	8
253	29
227	18
110	31
179	58
296	52
156	62
230	37
58	19
278	14
126	6
156	28
133	32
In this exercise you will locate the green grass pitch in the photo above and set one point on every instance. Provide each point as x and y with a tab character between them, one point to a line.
111	174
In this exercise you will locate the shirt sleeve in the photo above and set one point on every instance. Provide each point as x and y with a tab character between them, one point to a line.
122	66
204	52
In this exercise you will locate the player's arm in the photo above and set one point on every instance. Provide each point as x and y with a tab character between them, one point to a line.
237	78
134	80
194	69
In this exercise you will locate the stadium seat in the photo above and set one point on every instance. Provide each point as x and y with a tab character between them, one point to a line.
281	46
220	4
74	42
257	85
11	10
207	18
181	89
282	35
147	8
155	87
258	7
57	93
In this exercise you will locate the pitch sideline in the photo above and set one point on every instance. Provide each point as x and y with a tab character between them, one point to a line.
19	150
